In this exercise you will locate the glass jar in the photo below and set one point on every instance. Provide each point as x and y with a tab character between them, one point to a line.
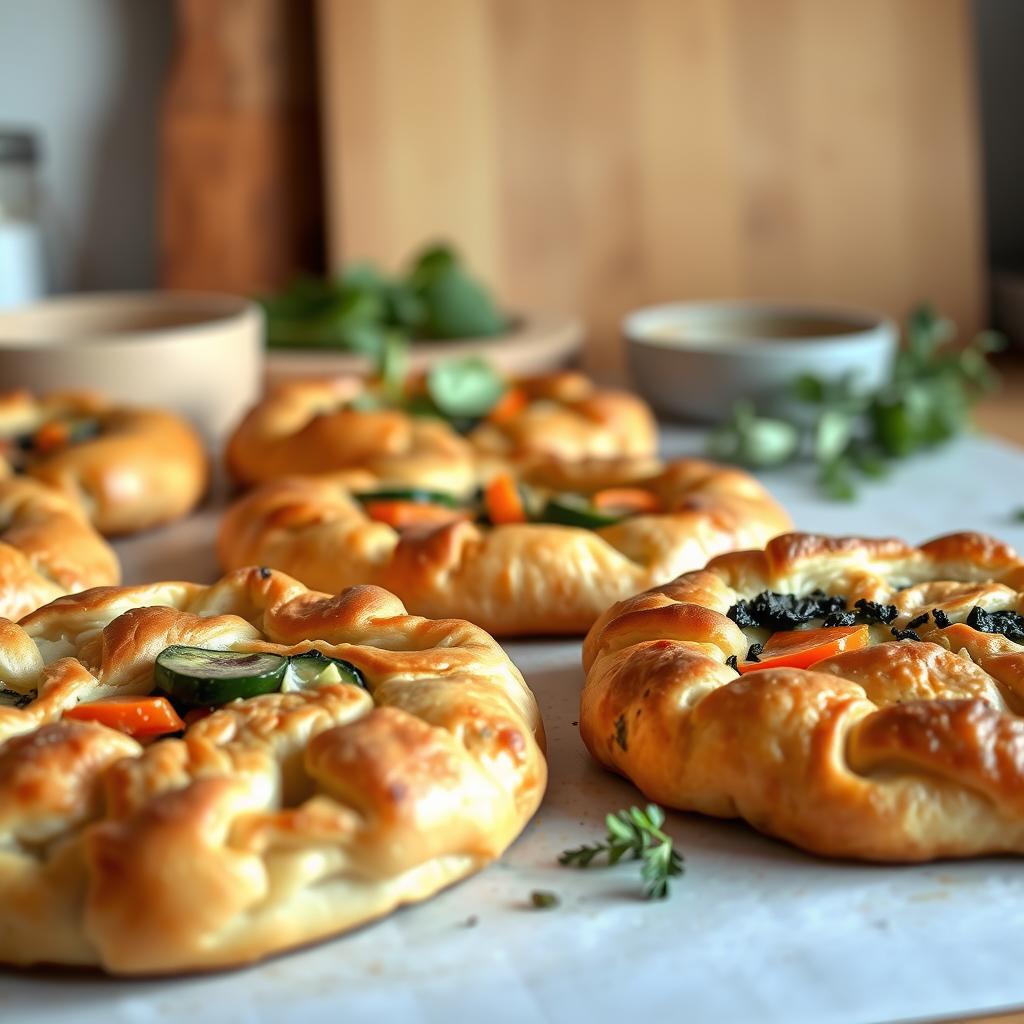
22	261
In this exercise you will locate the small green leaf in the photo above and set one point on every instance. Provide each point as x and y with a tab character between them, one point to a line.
434	259
868	462
465	387
752	440
544	899
836	481
832	435
392	366
457	306
618	828
809	388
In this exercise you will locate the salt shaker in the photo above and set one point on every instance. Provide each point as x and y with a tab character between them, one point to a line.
22	260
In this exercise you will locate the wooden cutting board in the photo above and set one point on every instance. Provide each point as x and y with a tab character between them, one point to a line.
241	188
597	155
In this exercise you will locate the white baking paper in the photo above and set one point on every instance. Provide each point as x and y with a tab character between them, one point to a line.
754	931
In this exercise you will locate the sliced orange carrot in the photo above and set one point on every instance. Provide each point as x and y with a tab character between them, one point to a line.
801	648
632	500
402	514
51	436
141	717
503	501
513	402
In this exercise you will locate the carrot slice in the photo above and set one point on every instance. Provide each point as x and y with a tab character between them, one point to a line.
504	502
512	403
401	514
801	648
51	436
141	717
633	500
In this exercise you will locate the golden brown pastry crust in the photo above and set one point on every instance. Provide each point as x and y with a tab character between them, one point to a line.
146	467
303	428
902	751
568	417
47	548
511	580
273	822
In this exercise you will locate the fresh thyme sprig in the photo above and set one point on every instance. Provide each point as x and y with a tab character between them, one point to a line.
637	834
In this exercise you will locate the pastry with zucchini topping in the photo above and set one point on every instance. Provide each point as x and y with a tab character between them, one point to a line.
198	777
544	551
858	698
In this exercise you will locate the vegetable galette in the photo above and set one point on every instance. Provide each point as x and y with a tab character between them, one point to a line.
130	469
544	552
859	698
197	777
447	430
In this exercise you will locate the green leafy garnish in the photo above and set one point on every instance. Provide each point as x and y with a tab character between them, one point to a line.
849	431
464	388
392	367
636	834
435	298
544	899
753	440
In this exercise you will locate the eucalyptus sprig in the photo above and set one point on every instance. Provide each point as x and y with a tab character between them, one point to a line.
851	432
636	834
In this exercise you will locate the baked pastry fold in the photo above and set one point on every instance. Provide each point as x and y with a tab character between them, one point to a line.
906	747
517	579
318	426
47	548
135	468
273	821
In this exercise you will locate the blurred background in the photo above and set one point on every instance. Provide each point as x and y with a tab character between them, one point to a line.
585	156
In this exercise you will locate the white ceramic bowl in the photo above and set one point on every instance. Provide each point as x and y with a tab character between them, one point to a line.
196	354
695	359
536	344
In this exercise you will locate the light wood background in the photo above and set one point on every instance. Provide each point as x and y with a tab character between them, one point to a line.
595	155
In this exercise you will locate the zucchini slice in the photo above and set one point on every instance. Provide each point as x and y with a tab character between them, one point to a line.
417	494
200	678
312	669
573	510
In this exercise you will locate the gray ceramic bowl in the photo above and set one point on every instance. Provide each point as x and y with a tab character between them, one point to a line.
695	359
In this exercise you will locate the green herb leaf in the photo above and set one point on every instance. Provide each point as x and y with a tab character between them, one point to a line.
392	365
457	306
435	259
832	435
868	461
836	480
544	899
465	387
637	834
809	388
753	440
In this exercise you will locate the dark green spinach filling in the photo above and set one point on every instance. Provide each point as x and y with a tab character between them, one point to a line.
773	611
